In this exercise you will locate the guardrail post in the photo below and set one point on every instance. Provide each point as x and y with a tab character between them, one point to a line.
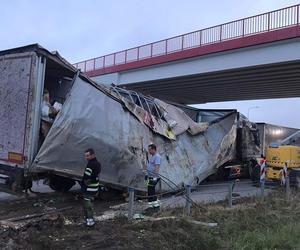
166	48
130	203
243	27
269	21
298	7
262	189
151	50
188	200
200	37
230	186
287	188
138	53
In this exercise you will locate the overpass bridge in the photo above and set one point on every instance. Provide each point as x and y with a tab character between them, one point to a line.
256	57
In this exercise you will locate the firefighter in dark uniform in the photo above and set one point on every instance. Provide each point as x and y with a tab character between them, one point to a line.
90	185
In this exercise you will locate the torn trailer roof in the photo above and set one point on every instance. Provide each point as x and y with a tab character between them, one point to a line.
120	124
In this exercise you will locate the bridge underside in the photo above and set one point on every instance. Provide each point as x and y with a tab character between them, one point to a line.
278	80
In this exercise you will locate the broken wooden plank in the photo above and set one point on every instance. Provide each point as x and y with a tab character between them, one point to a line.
32	216
208	224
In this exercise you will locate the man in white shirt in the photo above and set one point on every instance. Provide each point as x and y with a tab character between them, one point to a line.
152	175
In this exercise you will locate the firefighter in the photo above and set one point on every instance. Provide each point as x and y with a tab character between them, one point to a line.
90	185
152	175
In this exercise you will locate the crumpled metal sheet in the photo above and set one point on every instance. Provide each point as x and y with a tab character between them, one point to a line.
92	118
157	125
178	120
175	122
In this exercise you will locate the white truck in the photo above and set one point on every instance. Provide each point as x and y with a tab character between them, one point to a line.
117	123
24	73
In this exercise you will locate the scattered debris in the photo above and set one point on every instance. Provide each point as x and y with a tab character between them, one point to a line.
108	215
208	224
67	221
148	218
17	223
138	217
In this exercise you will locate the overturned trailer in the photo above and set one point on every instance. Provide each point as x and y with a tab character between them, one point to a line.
120	130
117	123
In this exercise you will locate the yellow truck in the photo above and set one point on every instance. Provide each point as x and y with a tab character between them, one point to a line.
280	155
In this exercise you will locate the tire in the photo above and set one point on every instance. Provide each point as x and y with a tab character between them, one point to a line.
295	178
60	184
19	182
254	171
221	174
250	168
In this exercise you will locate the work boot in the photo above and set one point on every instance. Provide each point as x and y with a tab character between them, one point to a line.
90	222
156	204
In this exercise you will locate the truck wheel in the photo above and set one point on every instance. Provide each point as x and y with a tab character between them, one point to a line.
254	172
19	183
61	184
295	178
250	169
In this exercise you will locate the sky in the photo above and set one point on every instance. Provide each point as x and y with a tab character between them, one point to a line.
80	30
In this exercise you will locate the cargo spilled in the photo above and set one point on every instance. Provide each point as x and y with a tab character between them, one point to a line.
118	123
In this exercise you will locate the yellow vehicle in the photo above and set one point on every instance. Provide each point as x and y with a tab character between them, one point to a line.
280	155
277	157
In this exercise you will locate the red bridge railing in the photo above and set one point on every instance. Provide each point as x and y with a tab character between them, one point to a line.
266	22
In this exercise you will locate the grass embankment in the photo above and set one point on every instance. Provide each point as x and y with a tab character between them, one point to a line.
272	224
249	225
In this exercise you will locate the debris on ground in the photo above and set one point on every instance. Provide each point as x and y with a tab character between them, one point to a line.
216	227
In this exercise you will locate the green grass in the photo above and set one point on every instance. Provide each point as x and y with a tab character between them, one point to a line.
251	225
283	237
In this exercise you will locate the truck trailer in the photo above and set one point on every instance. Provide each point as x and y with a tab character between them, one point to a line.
118	123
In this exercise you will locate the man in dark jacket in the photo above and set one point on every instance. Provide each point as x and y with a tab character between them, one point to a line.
90	185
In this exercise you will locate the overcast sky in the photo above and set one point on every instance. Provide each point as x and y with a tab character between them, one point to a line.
81	30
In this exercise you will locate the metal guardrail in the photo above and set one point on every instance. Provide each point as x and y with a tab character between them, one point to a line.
262	23
233	187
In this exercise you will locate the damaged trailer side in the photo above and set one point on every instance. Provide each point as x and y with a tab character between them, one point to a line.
24	74
118	123
120	129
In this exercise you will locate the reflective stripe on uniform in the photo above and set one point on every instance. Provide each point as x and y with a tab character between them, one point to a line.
94	184
151	182
89	170
87	199
92	189
87	173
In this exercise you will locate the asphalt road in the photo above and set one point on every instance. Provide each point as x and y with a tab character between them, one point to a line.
207	193
38	186
210	193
